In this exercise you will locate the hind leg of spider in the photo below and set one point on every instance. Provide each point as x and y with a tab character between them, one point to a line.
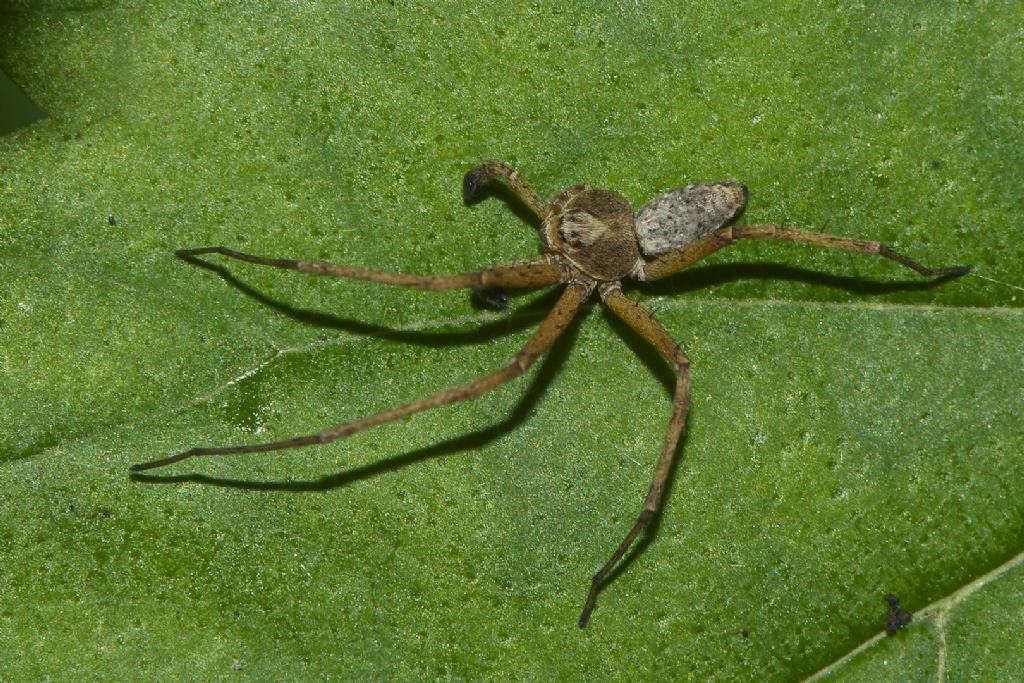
554	324
477	178
647	327
681	258
538	272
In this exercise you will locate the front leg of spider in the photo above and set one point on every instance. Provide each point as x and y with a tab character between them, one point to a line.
591	240
548	269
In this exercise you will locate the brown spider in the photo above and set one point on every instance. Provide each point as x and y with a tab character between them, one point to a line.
592	240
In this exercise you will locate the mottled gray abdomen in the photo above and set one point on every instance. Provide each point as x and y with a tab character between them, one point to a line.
686	214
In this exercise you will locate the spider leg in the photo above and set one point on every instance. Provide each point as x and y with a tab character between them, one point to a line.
538	272
647	327
677	260
554	324
478	177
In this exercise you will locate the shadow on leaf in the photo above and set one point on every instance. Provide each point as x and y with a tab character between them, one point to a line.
547	371
519	319
693	279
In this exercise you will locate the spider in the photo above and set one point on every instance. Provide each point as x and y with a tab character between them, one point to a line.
592	239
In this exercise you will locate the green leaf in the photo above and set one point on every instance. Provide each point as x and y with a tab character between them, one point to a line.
17	110
855	431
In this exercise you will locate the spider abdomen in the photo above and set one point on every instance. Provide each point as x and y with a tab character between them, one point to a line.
684	215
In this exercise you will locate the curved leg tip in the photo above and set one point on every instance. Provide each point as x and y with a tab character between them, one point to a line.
588	606
153	464
473	182
196	251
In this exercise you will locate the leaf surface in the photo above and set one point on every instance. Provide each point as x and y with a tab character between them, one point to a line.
855	431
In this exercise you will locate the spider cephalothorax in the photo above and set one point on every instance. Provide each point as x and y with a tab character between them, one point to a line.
592	240
594	230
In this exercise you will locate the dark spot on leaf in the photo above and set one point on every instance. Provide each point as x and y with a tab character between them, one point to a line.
896	618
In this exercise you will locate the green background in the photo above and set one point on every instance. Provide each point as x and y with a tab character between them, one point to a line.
855	430
16	110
